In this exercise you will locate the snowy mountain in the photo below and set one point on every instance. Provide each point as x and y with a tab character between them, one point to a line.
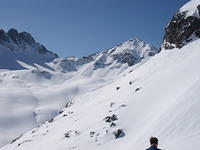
159	99
18	47
184	26
130	52
112	100
37	93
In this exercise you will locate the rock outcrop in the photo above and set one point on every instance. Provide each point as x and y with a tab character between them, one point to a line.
184	26
21	46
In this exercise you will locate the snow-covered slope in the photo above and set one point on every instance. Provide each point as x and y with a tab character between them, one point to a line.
159	98
130	52
30	96
192	8
115	99
18	47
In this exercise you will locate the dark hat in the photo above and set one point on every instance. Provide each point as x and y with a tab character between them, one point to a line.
153	140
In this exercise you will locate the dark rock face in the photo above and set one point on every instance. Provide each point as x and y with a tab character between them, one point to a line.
42	49
128	58
14	35
3	36
130	52
181	30
27	37
19	38
23	39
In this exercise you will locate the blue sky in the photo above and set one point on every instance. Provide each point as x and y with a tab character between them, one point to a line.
82	27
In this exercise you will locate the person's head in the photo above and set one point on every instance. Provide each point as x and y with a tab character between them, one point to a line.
153	141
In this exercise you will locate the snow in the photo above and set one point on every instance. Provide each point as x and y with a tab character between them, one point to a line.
35	94
162	101
132	44
135	49
21	51
191	8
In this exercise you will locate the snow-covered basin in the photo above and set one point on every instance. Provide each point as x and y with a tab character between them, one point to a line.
191	8
30	97
166	105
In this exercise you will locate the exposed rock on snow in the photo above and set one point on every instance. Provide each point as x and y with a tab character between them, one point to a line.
111	118
130	52
168	112
119	133
159	109
184	26
15	46
27	68
117	88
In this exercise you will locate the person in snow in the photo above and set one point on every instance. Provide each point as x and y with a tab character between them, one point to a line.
153	143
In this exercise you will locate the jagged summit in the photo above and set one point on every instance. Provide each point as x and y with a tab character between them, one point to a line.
19	38
184	26
22	39
130	52
21	46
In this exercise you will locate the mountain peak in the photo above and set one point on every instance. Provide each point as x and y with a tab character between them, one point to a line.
129	52
134	44
22	46
184	26
19	38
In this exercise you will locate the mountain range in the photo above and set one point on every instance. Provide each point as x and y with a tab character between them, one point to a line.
114	99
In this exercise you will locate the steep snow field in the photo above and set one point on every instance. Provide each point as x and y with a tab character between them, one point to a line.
158	98
111	100
31	96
